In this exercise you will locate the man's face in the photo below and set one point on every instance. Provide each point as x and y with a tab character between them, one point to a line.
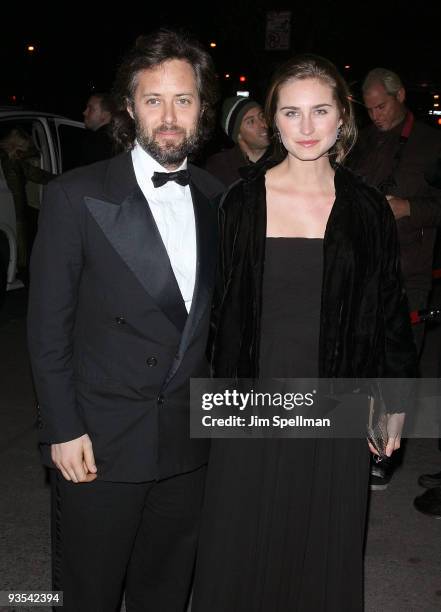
166	109
94	115
385	111
254	130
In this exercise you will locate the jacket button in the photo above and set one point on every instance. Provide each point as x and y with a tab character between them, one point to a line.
160	399
120	320
151	362
39	419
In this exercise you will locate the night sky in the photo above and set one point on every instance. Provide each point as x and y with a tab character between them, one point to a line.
77	50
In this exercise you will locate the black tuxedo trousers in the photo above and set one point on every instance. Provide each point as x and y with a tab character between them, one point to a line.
108	537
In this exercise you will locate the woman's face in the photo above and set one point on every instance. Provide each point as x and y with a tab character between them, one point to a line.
307	118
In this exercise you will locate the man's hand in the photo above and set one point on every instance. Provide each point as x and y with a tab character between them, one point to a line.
75	459
400	207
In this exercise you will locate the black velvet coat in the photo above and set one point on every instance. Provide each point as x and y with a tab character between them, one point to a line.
364	328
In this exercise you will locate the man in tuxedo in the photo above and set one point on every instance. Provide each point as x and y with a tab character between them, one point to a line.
122	275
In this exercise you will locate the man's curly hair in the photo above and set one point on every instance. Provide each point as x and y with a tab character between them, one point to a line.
151	51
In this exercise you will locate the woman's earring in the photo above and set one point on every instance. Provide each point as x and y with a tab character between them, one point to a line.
279	138
338	132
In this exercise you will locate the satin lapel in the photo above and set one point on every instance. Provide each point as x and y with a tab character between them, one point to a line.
131	230
206	236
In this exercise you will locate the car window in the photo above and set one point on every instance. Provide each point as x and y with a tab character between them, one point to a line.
72	142
30	138
34	130
39	136
7	210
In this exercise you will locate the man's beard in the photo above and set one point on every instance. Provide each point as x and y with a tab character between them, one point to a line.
168	154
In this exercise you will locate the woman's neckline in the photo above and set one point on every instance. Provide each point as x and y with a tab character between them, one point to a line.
291	238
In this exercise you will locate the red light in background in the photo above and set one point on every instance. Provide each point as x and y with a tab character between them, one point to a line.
242	79
439	121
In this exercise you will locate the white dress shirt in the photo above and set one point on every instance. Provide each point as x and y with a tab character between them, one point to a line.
172	209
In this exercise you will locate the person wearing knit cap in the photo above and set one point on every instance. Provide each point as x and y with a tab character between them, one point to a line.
242	120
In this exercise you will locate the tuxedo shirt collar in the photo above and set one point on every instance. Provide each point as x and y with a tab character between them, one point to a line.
144	166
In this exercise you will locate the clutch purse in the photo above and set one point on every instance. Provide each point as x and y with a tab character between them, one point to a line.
377	431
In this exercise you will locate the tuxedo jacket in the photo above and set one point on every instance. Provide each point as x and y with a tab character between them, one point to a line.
111	344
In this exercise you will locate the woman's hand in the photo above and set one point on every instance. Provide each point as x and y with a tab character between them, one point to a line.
394	425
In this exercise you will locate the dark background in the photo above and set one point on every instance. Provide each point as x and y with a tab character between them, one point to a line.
78	45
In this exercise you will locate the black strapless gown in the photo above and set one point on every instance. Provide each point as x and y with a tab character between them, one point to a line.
284	519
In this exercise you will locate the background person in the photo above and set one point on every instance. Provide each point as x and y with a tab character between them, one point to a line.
18	154
399	155
98	115
242	120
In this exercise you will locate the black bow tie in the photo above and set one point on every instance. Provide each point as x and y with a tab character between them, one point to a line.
161	178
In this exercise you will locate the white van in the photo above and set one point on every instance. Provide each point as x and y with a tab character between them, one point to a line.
60	145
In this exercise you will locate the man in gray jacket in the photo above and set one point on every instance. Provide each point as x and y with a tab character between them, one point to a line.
400	156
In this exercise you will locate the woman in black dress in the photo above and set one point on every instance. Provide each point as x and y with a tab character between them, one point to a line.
308	286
